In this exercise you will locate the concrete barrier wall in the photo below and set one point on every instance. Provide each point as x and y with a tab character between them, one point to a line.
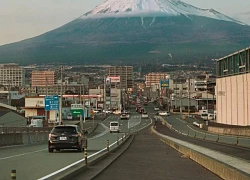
221	169
230	131
10	139
34	138
23	138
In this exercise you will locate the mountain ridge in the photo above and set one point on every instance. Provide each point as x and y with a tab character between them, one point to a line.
135	8
126	40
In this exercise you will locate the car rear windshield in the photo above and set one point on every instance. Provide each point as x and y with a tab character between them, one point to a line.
64	129
113	124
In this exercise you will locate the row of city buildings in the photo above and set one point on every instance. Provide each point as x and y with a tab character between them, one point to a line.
226	93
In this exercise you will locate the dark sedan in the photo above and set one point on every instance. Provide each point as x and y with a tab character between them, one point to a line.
66	137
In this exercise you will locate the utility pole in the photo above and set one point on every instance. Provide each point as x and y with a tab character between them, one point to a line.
80	99
207	94
60	120
46	112
181	99
175	95
84	109
188	96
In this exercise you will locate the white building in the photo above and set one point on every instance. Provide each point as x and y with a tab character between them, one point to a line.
233	89
12	75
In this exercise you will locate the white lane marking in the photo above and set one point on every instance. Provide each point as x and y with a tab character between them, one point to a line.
144	126
77	162
9	157
181	121
107	118
12	146
134	122
101	134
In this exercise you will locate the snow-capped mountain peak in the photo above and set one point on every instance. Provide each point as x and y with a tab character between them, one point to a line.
142	8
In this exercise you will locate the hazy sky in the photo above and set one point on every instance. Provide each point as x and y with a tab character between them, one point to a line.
21	19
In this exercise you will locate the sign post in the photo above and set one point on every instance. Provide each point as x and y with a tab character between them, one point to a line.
76	109
51	103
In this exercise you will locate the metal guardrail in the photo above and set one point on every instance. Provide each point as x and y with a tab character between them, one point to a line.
10	130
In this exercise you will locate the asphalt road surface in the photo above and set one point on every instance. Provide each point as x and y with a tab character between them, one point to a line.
149	158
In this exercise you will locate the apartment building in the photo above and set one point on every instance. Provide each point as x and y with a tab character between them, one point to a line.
125	73
154	78
12	75
42	78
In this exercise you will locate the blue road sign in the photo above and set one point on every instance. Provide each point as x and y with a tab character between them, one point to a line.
51	103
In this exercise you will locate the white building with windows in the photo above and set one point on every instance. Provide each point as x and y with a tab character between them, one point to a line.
12	75
233	89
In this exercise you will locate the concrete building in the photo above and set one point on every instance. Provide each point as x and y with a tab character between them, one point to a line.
12	75
154	78
125	73
233	89
42	78
34	106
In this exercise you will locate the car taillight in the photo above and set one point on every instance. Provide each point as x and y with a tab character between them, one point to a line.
76	135
51	135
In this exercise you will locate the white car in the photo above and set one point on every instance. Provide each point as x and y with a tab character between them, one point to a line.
124	116
144	115
156	109
107	111
164	113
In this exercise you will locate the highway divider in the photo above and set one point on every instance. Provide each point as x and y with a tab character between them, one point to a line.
223	165
23	138
69	172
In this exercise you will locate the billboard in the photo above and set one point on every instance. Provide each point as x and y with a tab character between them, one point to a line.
164	83
114	79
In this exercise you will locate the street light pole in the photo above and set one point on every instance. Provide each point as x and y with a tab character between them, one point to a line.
60	120
207	94
188	96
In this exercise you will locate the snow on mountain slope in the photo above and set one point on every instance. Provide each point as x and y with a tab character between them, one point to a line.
142	8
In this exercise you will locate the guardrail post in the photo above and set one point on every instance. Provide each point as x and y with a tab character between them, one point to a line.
117	142
86	143
237	141
218	138
13	174
86	156
194	134
107	144
205	135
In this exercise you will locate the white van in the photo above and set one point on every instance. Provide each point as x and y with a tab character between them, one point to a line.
114	126
207	116
36	123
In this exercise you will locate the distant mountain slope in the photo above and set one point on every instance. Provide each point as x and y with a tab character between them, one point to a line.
107	34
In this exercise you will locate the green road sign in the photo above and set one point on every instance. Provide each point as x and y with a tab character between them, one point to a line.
76	111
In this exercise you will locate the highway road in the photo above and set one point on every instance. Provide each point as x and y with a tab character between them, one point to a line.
186	128
34	162
146	156
149	158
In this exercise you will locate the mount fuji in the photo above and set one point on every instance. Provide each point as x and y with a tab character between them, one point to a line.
152	8
122	32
